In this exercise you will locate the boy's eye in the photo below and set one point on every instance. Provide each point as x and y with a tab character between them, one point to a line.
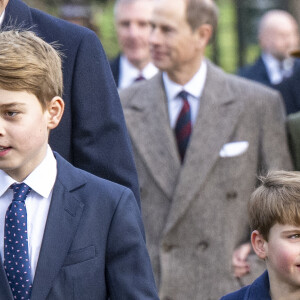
11	113
295	236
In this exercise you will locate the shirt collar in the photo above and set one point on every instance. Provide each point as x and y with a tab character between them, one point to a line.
270	60
41	179
129	72
194	87
2	17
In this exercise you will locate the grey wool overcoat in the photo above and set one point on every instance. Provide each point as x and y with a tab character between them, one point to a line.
195	214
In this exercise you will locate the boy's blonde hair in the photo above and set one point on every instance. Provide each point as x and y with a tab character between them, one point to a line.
276	200
27	63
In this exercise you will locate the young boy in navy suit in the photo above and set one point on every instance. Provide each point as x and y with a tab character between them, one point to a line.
274	212
67	234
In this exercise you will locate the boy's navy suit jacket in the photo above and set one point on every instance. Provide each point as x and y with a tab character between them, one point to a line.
258	290
115	68
93	246
92	134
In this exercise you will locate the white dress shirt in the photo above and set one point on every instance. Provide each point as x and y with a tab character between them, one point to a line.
2	17
276	72
194	88
41	181
129	73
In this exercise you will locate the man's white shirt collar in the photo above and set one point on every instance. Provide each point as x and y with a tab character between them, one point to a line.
273	67
128	72
2	18
194	87
41	180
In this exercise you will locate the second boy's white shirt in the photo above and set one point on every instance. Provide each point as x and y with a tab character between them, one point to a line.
41	181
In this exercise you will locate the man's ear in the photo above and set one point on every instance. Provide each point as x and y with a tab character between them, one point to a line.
204	34
259	244
55	109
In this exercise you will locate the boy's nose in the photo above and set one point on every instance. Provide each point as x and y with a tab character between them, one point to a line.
2	129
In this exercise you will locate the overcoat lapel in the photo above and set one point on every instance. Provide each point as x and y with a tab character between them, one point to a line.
218	116
63	218
148	120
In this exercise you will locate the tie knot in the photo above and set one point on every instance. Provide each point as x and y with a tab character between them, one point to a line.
183	95
21	190
139	78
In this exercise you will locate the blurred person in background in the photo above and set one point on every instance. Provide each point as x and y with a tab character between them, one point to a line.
290	91
132	21
278	35
78	14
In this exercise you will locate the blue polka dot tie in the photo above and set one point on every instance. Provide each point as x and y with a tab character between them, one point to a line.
183	127
16	257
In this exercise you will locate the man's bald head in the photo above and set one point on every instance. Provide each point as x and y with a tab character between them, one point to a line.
278	33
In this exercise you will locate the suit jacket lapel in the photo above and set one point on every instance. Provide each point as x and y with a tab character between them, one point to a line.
63	218
17	14
218	115
5	291
148	120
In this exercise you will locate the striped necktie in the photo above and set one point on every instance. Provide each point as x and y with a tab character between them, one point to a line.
139	78
183	128
16	256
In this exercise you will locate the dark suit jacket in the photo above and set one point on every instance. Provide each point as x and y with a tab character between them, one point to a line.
290	91
93	246
258	290
257	72
293	127
115	68
92	134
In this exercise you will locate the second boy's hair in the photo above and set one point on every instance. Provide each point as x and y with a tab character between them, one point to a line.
276	200
27	63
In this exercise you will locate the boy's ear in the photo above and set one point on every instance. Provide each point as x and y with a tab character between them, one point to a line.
259	244
55	109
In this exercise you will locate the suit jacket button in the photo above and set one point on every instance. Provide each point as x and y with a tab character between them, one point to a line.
203	245
231	195
167	248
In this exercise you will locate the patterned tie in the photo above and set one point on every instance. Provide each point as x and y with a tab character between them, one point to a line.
183	128
16	257
139	78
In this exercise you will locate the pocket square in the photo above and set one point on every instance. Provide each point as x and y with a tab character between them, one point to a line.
234	149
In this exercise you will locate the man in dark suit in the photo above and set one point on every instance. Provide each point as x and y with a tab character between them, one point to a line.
92	134
200	137
290	91
132	22
277	35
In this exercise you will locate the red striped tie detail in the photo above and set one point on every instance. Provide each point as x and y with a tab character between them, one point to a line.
183	128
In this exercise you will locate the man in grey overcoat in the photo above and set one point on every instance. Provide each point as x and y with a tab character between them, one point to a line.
198	154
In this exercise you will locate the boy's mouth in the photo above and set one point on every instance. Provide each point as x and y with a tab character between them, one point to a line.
4	148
